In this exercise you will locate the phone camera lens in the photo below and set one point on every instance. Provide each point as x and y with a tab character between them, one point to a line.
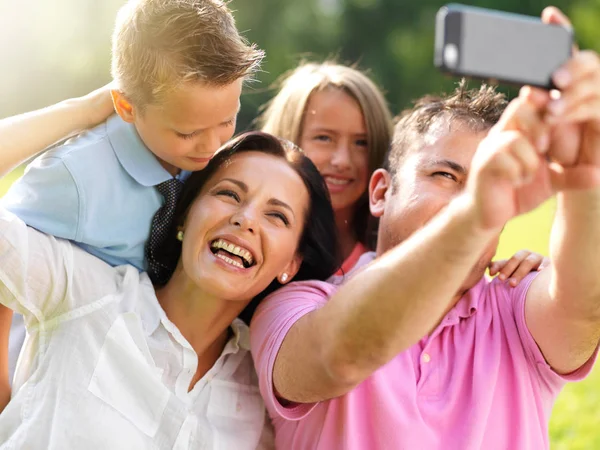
451	56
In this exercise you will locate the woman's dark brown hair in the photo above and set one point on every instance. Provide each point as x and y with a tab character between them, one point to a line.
318	243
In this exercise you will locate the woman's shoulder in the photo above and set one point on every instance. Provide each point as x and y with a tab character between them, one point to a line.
44	277
307	291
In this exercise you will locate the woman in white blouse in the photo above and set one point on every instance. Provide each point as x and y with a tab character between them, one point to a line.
112	363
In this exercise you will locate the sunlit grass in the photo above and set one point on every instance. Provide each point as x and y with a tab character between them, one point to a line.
575	423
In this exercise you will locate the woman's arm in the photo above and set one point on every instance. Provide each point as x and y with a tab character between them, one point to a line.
25	135
22	137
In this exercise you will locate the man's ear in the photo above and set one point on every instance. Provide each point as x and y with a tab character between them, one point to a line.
123	106
380	183
290	270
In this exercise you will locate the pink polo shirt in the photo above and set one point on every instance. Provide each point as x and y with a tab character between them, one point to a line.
478	382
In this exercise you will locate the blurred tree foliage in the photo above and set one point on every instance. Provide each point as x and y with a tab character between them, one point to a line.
60	48
392	39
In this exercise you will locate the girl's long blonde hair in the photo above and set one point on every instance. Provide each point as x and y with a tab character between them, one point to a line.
284	116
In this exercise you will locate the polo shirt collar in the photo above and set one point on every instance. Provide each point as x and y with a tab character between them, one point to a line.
139	162
467	305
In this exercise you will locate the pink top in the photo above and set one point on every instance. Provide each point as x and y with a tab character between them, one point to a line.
478	382
352	259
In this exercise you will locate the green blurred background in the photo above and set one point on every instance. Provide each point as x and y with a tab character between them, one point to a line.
56	49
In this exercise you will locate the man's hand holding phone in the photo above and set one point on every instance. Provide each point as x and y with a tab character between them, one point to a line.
569	112
574	116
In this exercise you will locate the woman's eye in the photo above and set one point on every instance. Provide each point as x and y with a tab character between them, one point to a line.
445	175
281	217
228	193
362	143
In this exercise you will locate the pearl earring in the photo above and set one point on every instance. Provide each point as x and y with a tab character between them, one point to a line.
180	235
284	277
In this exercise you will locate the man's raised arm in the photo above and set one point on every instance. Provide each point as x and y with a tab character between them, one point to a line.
563	304
404	294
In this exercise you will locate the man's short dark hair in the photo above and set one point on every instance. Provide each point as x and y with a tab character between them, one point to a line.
479	109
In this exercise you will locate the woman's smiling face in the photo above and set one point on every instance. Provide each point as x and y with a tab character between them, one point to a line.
244	228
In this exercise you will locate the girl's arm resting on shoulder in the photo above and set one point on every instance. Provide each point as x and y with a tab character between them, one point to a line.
25	135
518	266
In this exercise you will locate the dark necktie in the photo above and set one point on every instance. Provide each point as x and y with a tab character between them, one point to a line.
161	224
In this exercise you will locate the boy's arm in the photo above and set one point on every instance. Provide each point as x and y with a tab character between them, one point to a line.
25	135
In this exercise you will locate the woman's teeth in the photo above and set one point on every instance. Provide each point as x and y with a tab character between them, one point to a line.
229	260
234	250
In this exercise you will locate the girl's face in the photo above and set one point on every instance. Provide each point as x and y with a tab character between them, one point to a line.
243	230
334	137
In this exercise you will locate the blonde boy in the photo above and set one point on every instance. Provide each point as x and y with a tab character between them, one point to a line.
179	66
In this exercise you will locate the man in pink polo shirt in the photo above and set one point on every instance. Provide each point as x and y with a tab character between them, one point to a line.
417	350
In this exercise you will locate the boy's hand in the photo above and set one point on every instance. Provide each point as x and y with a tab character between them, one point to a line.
509	173
518	266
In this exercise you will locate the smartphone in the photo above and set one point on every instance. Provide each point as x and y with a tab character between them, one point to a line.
495	45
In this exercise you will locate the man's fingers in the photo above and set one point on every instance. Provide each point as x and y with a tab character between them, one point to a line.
525	114
539	97
586	90
580	66
516	160
527	158
553	15
505	167
565	143
588	111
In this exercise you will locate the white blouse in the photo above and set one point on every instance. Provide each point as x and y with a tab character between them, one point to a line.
103	367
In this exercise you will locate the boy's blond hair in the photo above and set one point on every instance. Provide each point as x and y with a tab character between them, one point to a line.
284	115
160	44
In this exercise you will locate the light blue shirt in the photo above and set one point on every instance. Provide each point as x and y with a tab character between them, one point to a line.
97	189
